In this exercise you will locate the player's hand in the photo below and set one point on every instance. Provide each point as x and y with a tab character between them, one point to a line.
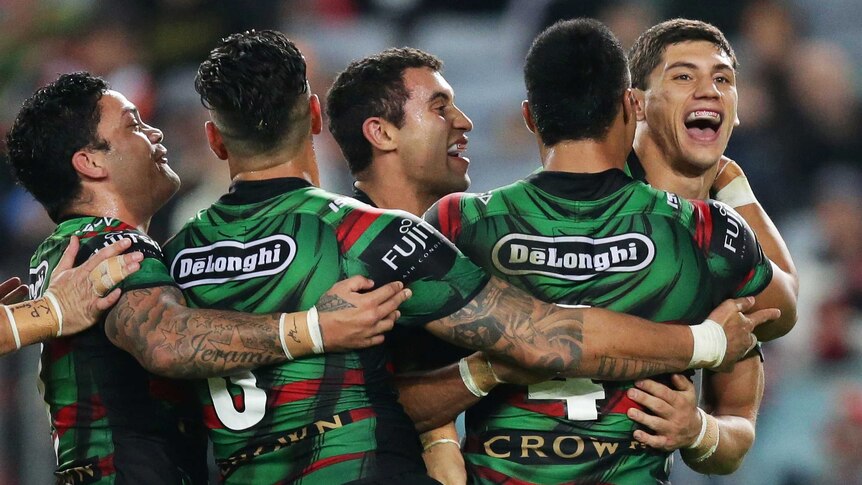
727	171
80	291
739	327
671	413
353	320
12	291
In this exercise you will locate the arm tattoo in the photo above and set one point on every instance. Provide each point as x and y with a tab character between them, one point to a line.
170	339
331	303
616	369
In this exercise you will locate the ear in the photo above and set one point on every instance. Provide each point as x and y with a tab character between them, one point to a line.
380	133
639	97
316	116
89	164
528	116
629	106
215	140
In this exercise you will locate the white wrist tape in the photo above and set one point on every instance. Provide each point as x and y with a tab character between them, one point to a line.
57	310
710	344
313	321
281	336
702	433
14	327
439	442
467	377
737	193
710	451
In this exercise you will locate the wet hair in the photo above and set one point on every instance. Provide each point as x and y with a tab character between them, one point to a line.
254	84
371	87
575	73
648	49
55	122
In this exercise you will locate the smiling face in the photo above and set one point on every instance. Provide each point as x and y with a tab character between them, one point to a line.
432	139
136	160
688	109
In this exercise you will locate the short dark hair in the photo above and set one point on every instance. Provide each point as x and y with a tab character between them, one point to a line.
55	122
575	73
255	85
373	86
648	49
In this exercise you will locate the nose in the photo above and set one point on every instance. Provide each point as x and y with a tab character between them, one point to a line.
155	134
706	88
462	121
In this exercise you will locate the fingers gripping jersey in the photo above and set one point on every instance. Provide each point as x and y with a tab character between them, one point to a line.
112	422
600	240
279	245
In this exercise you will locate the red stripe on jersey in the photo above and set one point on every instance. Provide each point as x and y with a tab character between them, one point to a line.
332	460
745	280
703	224
58	348
494	476
66	417
122	226
354	225
619	402
450	216
106	466
361	413
548	408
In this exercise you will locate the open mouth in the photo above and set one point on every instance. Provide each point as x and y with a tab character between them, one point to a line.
703	124
457	149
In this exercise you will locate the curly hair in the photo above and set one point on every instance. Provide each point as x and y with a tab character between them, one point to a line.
54	123
648	49
255	85
576	73
373	86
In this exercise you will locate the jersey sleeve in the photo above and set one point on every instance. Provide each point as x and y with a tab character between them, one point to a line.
396	246
733	253
445	216
153	270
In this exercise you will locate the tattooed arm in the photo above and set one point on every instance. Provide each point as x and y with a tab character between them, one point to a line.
168	338
504	321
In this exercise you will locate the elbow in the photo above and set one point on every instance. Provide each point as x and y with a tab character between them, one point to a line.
780	327
164	364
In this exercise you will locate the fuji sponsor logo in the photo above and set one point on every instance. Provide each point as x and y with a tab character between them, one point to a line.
233	261
574	258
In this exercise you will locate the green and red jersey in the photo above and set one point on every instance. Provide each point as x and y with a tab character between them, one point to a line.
112	422
600	240
277	246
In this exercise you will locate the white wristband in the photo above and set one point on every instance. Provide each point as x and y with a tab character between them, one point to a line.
710	344
440	442
14	327
737	193
702	433
313	320
53	299
467	377
281	336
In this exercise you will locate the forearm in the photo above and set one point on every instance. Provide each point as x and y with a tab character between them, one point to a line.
434	398
442	455
736	435
170	339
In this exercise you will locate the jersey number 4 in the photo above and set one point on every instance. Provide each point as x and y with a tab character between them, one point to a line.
581	396
243	410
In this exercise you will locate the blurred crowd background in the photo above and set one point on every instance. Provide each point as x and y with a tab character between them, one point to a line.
800	142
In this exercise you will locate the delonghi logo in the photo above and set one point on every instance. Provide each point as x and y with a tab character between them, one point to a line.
37	279
574	258
233	261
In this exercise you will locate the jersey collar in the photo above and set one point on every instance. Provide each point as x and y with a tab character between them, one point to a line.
580	186
251	191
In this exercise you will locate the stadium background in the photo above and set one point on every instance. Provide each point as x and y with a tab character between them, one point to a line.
800	142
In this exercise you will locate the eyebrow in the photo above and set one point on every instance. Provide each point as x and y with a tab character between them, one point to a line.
133	111
721	66
439	95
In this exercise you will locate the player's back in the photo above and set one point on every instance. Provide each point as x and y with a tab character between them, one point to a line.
277	246
600	240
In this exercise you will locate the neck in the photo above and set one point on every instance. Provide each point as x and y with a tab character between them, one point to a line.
392	193
300	163
581	156
105	203
662	174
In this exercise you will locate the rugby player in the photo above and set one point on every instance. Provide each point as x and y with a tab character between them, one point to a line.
101	173
582	232
684	74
